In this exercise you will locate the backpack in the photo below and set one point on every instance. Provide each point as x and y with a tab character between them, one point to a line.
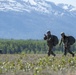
55	40
71	40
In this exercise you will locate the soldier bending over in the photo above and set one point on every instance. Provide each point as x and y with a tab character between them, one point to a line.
66	43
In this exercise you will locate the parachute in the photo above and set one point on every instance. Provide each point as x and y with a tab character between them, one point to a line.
55	40
71	40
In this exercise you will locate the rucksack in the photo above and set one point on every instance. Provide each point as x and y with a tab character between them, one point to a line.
71	40
55	40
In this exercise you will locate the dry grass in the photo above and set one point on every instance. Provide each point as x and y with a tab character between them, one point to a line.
40	61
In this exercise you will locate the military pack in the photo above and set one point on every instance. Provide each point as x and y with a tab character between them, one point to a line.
71	40
55	40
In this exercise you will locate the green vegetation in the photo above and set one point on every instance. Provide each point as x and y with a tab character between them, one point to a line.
28	46
29	57
22	46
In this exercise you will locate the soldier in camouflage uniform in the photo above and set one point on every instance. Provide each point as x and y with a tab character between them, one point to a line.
66	43
49	39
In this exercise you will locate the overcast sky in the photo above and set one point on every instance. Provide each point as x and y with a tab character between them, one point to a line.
72	2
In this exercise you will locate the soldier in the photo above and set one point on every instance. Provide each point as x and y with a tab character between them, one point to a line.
0	51
49	39
65	40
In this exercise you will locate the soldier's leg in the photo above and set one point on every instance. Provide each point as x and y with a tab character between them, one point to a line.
50	51
53	53
65	51
70	51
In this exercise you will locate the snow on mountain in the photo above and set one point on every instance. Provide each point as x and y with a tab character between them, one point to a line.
29	19
21	5
29	5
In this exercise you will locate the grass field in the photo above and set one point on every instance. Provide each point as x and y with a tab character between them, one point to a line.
37	64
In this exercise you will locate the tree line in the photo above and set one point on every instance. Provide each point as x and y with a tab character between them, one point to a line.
11	46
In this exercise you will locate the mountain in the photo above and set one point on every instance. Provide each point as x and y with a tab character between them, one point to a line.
30	19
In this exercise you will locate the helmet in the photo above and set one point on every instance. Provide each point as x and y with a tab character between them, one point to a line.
62	33
48	32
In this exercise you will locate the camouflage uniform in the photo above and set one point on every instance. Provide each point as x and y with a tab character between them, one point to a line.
66	43
49	39
0	51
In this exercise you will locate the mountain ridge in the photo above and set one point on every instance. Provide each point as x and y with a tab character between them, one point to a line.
34	22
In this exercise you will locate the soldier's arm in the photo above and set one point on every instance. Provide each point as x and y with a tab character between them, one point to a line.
60	42
50	38
45	37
